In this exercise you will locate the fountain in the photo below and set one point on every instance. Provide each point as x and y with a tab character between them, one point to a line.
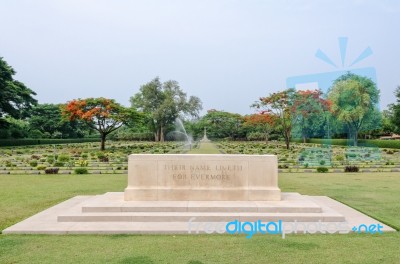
180	130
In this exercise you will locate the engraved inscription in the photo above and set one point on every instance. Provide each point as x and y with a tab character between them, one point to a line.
204	174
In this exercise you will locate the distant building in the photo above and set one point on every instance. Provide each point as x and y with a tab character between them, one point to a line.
392	137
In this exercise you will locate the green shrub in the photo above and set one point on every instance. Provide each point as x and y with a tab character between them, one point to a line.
340	158
33	163
63	158
252	136
59	164
81	171
395	144
41	167
25	142
322	169
322	162
82	163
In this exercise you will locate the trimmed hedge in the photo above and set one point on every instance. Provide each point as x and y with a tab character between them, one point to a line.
25	142
322	169
145	136
362	142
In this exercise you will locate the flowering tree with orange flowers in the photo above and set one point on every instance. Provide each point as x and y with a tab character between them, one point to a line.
280	104
262	121
310	108
101	114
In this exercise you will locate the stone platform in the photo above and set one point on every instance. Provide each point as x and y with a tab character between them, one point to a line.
111	214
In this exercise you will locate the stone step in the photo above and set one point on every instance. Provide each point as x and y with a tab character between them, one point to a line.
46	222
201	217
114	202
199	206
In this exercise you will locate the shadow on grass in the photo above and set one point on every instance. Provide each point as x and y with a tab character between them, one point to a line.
138	260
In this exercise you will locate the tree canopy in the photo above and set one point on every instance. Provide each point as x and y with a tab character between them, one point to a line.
395	109
101	114
163	103
263	122
15	98
281	105
354	101
310	110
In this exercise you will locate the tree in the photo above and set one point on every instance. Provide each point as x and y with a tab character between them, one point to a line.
354	100
280	104
388	126
101	114
163	103
263	122
48	118
310	111
16	128
219	124
15	97
395	108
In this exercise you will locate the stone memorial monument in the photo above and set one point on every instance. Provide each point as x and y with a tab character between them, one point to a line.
202	177
205	139
166	192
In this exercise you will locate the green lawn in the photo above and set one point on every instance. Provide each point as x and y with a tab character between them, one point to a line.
375	194
205	148
23	195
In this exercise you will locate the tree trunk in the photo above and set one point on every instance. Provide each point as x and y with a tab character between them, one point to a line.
355	138
161	134
103	141
157	135
266	138
304	139
287	138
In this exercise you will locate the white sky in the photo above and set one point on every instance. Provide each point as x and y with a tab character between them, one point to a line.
229	53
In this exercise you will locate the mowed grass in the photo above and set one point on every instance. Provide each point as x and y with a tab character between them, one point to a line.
24	195
374	193
205	148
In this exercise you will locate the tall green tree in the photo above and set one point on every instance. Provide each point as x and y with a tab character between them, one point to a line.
48	119
388	126
354	101
15	98
395	109
162	103
221	124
